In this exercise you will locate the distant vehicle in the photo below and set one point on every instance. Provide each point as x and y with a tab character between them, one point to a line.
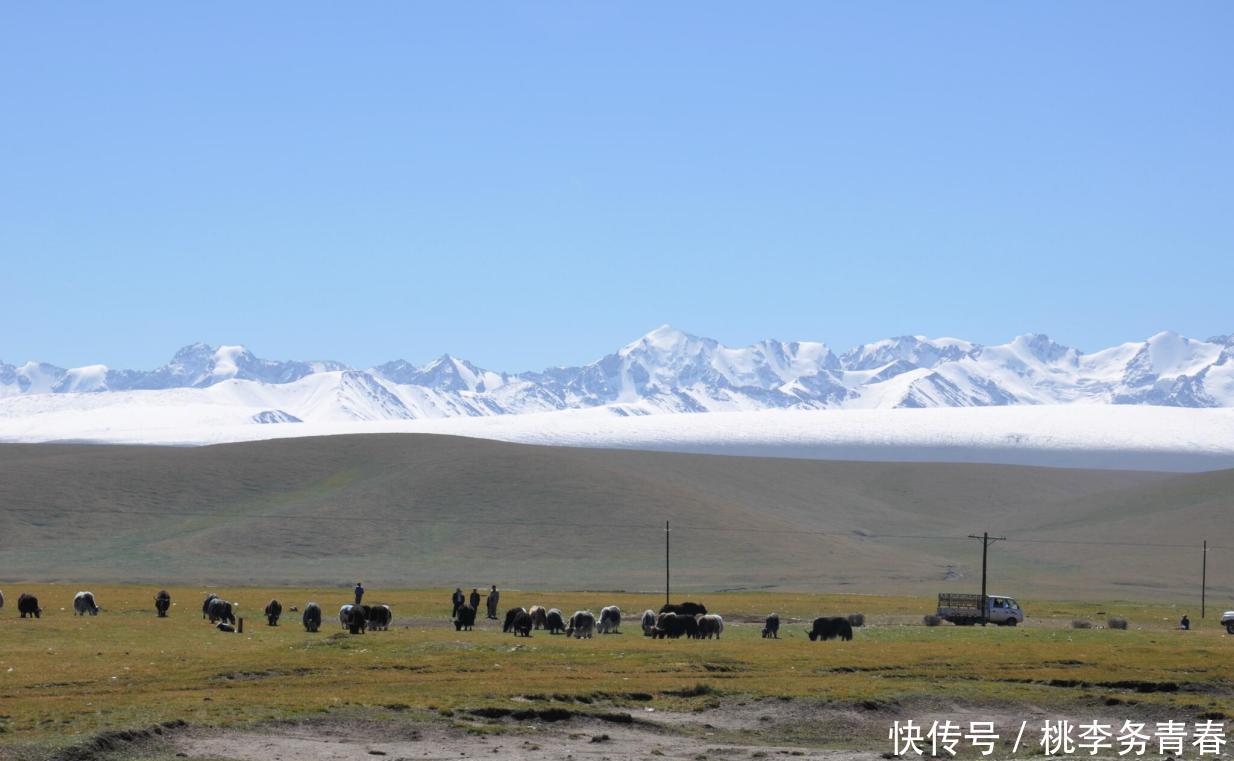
966	610
1227	620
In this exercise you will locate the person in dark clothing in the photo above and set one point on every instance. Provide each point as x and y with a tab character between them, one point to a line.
493	598
359	592
475	598
1185	623
458	601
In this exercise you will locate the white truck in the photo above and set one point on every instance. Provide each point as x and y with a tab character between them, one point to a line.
966	610
1227	620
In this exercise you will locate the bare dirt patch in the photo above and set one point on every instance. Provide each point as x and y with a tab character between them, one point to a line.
573	739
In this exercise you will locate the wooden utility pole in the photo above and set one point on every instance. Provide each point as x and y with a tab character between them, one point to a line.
986	540
667	577
1203	578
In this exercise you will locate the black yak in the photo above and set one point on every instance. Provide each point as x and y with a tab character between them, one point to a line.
830	628
771	629
162	603
685	609
379	617
511	614
312	617
689	626
610	620
221	610
673	626
554	621
83	603
521	623
669	625
28	606
353	619
538	616
1	599
582	624
464	618
274	609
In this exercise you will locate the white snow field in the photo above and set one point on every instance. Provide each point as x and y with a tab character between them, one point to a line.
1073	435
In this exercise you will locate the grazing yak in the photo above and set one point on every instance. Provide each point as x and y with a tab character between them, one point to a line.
685	609
538	616
352	618
274	609
710	626
357	622
554	621
582	624
771	629
669	626
162	603
222	611
689	626
829	628
521	623
649	622
83	603
511	614
610	620
28	605
1	598
205	606
379	617
312	617
464	618
673	626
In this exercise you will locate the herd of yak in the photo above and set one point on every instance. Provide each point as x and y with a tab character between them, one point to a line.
687	619
355	618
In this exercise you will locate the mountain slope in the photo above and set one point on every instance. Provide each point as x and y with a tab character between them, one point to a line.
417	510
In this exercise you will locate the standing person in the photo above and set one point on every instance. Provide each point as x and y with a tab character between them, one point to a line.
359	592
475	599
458	601
493	597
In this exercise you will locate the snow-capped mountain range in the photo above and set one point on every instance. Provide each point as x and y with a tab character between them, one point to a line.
665	371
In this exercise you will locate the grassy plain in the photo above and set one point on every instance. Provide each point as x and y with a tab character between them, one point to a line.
64	678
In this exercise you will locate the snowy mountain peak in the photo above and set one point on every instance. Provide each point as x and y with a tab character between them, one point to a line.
1042	348
83	380
666	336
200	364
665	340
917	351
446	373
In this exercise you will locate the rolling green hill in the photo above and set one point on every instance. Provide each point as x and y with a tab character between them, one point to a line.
421	510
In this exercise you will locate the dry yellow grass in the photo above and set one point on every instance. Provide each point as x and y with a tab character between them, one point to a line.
62	677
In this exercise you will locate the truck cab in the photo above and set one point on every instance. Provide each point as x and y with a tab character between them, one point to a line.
1004	611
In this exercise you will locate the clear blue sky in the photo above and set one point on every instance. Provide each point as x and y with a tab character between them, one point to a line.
533	184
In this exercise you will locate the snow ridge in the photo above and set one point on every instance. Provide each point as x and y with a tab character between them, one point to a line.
665	371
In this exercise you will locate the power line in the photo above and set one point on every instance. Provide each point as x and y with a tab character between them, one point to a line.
1101	543
348	518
